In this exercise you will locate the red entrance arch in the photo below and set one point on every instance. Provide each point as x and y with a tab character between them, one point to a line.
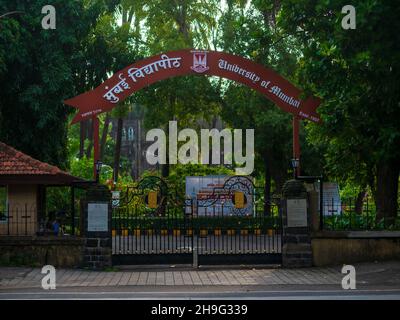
183	62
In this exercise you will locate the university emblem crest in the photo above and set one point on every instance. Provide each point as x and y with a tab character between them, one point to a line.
199	61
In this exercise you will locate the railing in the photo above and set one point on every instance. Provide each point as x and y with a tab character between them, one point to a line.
178	231
25	220
353	216
212	223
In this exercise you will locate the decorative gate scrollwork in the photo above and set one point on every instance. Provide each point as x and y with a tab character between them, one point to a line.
242	185
151	193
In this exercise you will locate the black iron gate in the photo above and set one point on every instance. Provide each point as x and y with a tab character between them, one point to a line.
153	225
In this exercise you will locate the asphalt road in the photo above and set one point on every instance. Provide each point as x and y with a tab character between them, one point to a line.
207	293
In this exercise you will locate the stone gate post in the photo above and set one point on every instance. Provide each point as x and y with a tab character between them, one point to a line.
96	225
296	249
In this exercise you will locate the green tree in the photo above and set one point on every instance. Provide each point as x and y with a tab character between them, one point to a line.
37	72
172	25
357	75
250	30
113	43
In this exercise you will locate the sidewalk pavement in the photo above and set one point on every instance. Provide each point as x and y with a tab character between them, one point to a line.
367	274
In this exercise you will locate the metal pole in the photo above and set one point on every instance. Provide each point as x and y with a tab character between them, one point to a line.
321	203
194	239
96	153
26	219
296	144
73	210
195	256
8	219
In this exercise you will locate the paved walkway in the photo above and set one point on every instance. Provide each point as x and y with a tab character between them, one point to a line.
378	273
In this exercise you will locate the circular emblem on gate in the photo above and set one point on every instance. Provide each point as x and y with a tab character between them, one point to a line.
153	192
239	199
241	190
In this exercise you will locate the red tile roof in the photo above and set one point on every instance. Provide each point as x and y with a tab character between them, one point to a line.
15	163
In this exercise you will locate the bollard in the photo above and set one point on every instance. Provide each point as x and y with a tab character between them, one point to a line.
195	257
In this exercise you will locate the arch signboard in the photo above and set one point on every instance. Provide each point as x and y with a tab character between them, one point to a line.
197	62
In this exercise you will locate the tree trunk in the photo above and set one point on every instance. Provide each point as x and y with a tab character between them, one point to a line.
165	170
89	149
359	201
138	149
104	136
117	153
387	183
165	167
82	137
279	176
90	137
182	21
267	187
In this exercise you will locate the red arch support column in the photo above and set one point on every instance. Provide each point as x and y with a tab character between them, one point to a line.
296	142
96	146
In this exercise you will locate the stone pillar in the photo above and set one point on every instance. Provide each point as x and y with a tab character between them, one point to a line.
96	225
296	250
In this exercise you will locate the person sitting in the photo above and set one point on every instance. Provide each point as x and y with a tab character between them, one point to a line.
56	227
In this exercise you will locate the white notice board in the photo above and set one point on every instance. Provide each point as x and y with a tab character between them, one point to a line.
98	217
296	212
332	202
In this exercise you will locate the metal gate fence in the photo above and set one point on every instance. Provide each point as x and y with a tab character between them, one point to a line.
153	225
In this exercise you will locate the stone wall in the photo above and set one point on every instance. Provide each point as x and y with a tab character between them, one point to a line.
92	250
39	251
339	247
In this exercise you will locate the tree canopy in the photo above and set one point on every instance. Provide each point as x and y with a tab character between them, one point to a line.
355	72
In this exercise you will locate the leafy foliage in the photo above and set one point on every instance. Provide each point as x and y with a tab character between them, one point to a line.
37	72
357	75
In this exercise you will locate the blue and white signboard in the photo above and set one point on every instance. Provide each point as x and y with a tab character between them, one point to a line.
332	202
210	198
97	217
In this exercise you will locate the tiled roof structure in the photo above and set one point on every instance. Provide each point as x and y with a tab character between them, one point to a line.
15	163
